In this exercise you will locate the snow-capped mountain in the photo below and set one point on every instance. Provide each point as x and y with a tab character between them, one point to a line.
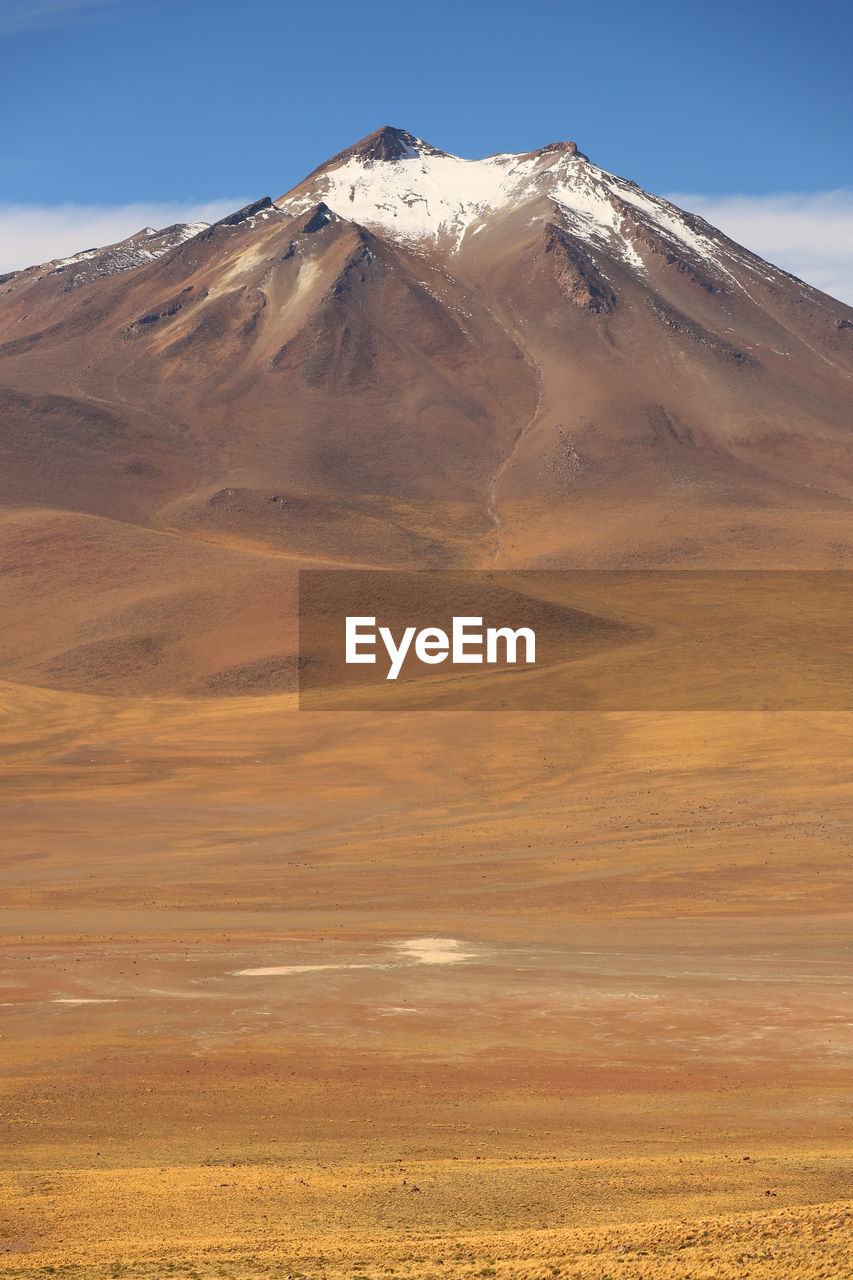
408	359
415	359
403	188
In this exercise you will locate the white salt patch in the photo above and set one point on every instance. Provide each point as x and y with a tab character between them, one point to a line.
81	1000
270	971
417	950
434	950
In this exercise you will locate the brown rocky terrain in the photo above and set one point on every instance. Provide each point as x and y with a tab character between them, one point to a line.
520	361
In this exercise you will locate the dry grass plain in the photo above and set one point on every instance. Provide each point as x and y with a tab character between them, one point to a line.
265	973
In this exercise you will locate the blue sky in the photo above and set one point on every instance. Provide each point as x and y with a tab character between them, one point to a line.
192	104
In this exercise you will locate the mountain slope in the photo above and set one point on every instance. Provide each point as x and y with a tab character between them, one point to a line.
413	359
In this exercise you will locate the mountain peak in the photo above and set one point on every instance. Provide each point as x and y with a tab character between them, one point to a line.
566	148
445	200
386	143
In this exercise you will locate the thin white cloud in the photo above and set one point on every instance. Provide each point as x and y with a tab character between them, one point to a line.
17	16
30	234
809	235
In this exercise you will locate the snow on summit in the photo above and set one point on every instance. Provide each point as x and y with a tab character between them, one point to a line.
399	185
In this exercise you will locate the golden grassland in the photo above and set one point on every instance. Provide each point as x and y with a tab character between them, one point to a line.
425	1220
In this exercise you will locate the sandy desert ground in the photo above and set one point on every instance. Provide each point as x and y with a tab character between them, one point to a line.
441	994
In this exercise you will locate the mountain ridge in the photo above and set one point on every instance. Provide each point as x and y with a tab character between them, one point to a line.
544	366
388	144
